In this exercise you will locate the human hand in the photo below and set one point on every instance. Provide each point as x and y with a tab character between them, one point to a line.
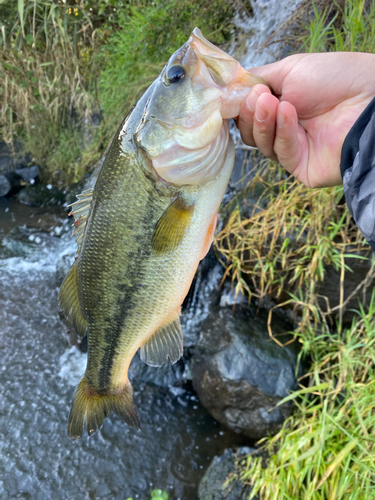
319	97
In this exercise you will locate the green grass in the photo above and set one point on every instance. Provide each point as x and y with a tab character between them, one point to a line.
326	450
282	247
62	62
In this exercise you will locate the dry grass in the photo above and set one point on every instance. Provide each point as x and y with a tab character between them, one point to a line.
284	241
46	93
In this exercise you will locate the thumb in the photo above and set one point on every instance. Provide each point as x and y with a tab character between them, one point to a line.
275	73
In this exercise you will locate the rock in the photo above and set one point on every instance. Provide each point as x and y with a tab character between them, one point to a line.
10	183
212	485
41	196
162	376
203	292
12	156
16	182
22	241
29	174
240	373
330	286
5	186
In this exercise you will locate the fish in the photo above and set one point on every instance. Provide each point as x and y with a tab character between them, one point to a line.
147	223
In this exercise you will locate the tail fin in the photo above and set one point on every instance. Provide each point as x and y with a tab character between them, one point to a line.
94	407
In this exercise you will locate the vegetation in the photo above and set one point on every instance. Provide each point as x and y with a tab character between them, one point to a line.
157	495
285	244
291	235
326	450
70	70
65	65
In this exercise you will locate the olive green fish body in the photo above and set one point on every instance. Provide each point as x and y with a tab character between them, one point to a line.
120	273
148	222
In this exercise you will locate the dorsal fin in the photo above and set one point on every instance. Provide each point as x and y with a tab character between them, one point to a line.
81	211
167	342
69	301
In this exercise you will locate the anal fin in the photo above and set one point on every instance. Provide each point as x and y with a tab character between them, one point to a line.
167	342
69	300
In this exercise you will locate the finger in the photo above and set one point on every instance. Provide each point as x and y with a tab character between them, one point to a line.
291	142
275	73
246	117
265	124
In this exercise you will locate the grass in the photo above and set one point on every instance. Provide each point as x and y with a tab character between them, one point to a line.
61	62
156	495
327	449
281	245
291	234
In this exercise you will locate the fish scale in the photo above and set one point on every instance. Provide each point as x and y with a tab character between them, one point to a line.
148	223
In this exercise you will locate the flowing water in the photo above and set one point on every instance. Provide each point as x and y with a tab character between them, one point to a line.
39	370
38	373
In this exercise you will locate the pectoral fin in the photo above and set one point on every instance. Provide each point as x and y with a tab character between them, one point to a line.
172	225
167	342
69	301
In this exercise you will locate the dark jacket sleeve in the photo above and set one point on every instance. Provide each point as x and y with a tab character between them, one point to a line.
358	172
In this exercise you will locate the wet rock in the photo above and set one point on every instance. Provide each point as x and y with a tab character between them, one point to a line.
41	196
212	485
203	292
23	241
16	182
29	174
5	186
163	376
10	183
240	373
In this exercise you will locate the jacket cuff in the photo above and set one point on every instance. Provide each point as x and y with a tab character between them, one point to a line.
358	172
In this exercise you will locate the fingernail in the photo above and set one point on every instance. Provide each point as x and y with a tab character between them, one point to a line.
251	101
280	120
261	113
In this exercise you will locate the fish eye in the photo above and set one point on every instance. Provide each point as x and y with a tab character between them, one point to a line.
175	74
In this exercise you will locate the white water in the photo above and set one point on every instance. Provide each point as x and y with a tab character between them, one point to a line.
267	17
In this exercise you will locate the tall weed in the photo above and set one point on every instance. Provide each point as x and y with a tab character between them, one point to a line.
61	62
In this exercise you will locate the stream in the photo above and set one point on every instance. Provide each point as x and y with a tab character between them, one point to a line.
39	372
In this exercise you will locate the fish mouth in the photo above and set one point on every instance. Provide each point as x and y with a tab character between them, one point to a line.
224	70
220	65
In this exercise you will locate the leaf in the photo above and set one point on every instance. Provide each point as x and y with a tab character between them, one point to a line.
21	7
340	457
308	390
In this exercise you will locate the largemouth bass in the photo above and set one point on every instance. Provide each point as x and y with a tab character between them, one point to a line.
147	223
